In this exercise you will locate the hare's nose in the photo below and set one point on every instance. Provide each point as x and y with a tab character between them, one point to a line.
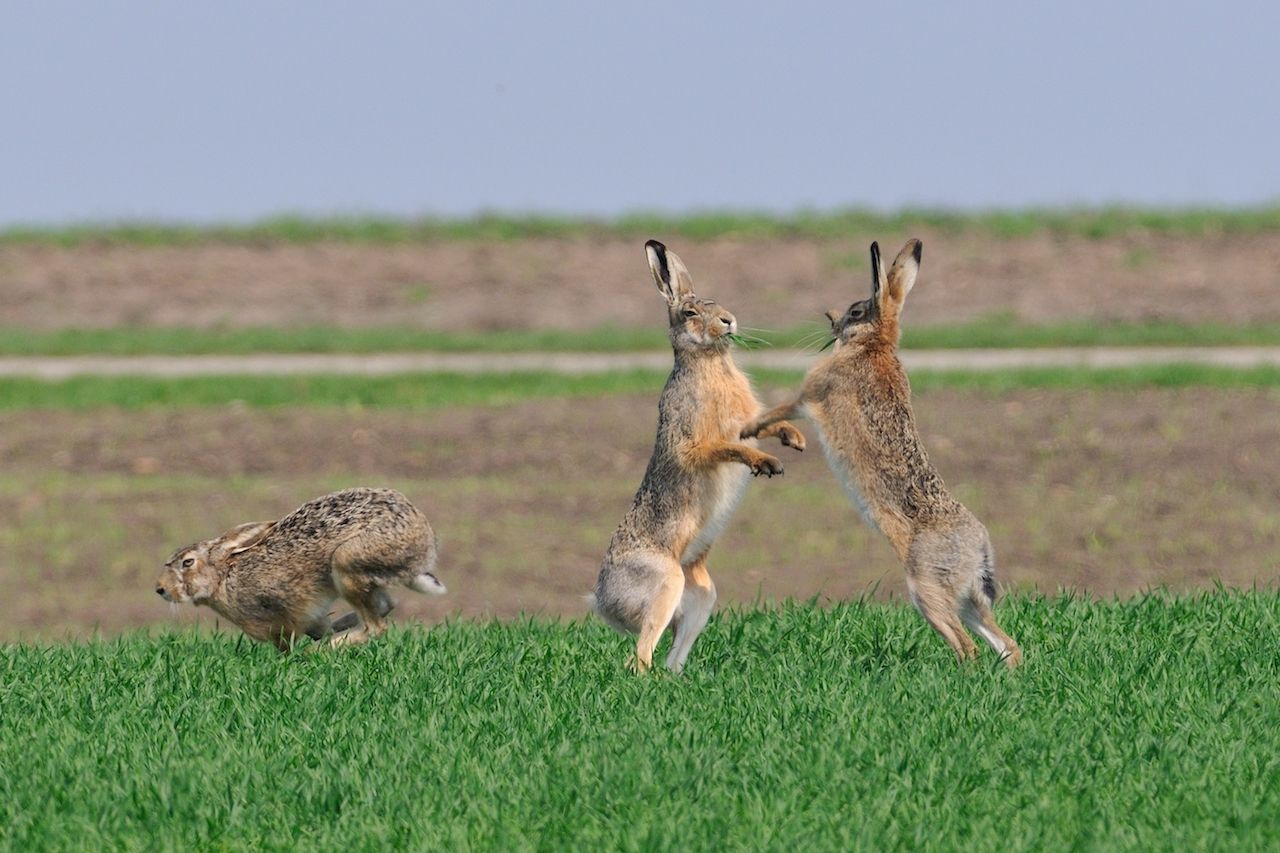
159	590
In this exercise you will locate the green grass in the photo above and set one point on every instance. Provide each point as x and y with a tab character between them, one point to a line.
1005	332
707	225
1064	378
179	341
417	391
1152	723
997	331
433	390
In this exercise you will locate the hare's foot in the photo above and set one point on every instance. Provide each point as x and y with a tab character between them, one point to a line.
767	424
977	615
354	637
784	431
791	437
938	606
766	465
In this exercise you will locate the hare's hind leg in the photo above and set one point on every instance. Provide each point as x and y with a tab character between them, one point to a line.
661	610
638	592
938	606
361	582
975	607
370	602
696	603
977	614
660	581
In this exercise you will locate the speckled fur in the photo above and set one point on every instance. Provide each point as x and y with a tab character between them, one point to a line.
860	400
654	574
278	580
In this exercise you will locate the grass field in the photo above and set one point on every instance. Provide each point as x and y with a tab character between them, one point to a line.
433	390
991	332
1093	223
1147	721
1152	722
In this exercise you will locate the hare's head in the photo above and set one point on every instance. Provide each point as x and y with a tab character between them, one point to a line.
191	574
877	315
694	324
187	575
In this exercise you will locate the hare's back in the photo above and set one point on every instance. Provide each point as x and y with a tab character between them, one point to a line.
335	517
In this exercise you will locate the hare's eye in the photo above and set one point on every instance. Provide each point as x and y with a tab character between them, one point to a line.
188	563
690	312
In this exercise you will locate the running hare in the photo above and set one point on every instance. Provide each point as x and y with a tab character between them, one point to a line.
860	400
654	574
278	579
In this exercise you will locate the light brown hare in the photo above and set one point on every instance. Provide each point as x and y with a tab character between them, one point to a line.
654	575
277	580
860	400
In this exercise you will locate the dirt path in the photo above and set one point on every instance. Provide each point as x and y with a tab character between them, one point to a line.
380	364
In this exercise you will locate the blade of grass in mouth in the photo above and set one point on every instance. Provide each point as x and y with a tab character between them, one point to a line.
748	341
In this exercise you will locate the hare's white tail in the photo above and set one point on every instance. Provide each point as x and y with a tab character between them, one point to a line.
427	583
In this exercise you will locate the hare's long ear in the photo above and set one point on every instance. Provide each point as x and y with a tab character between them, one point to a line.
877	273
669	272
242	537
902	275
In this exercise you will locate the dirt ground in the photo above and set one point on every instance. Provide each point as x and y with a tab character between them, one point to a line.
588	283
1103	491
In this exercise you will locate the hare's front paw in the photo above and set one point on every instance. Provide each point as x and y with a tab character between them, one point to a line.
751	430
791	437
766	465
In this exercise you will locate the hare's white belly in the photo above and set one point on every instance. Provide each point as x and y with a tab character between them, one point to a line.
724	490
848	481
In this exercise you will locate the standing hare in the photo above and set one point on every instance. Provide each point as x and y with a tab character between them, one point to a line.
654	574
278	579
860	400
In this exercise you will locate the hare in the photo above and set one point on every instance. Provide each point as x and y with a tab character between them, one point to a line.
654	574
860	400
278	579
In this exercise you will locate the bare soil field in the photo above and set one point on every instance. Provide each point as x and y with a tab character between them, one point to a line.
590	282
1106	492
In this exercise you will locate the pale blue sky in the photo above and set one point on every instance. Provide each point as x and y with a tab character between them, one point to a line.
239	110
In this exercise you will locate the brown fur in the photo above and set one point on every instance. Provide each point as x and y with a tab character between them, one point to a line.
861	401
654	574
278	579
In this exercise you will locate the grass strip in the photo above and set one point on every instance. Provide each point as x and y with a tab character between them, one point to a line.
1147	723
1095	223
434	390
993	332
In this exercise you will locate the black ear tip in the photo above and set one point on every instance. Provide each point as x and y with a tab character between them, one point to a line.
875	247
660	256
917	251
